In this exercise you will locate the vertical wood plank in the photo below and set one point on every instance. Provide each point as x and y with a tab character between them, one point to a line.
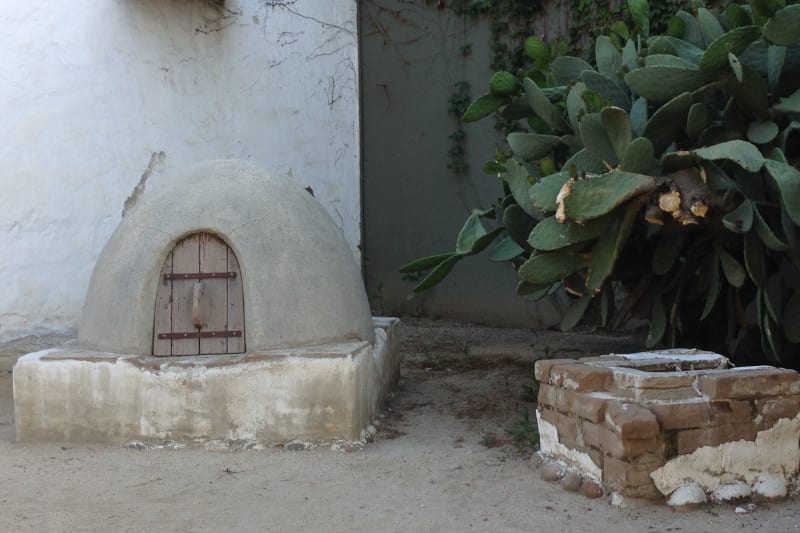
162	323
235	306
185	259
214	258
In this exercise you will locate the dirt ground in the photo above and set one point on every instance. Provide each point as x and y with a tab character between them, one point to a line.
443	460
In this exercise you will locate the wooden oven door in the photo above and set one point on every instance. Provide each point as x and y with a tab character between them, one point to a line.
199	303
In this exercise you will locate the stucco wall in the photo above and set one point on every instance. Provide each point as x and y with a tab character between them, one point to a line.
103	99
413	205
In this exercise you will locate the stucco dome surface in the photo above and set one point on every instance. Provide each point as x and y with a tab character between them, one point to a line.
302	285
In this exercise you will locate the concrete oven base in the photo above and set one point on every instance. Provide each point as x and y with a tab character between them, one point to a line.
675	423
315	393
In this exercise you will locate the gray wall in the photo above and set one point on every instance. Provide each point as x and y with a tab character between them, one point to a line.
413	205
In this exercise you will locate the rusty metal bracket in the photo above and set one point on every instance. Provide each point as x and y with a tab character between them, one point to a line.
200	334
201	275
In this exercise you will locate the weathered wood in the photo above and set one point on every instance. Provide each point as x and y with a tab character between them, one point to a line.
185	258
235	305
214	258
163	313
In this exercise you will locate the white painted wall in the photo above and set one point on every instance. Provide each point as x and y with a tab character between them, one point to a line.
93	93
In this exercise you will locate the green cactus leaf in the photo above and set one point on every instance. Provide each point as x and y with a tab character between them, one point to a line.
755	259
666	124
713	283
776	56
733	270
534	292
630	56
596	139
783	28
667	251
666	60
618	128
662	83
505	250
717	180
606	252
516	176
543	108
567	69
538	51
544	191
697	120
709	25
766	8
473	237
639	116
607	56
493	167
733	42
530	146
640	13
621	29
607	88
549	234
766	234
438	273
692	33
762	132
675	161
517	109
518	224
788	180
638	156
680	47
791	315
594	197
676	27
740	220
662	46
503	83
584	161
425	263
658	323
737	16
742	153
790	104
575	312
549	267
576	106
752	92
483	106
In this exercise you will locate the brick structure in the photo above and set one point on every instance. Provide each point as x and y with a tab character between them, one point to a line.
622	417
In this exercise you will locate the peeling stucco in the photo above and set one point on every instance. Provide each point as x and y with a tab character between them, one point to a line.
775	451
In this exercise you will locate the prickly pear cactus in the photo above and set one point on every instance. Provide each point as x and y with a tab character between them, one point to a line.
661	181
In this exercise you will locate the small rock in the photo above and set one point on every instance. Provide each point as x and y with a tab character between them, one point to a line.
572	481
617	500
346	446
365	436
538	459
731	492
297	446
592	489
371	429
552	471
771	487
217	446
376	422
688	496
133	445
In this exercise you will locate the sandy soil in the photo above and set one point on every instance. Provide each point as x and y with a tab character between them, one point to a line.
442	461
